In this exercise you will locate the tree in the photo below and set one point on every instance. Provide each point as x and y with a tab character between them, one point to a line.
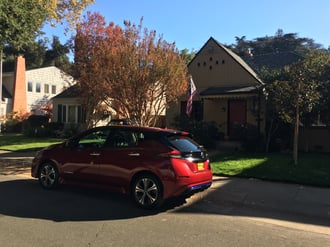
87	70
274	122
57	55
21	20
242	46
298	91
280	42
38	54
33	53
130	69
187	56
321	112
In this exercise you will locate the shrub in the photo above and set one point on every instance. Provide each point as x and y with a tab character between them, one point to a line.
12	126
205	133
250	138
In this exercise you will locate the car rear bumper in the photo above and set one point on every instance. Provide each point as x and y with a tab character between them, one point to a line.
186	186
196	188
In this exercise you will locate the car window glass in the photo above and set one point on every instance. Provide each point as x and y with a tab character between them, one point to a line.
184	143
96	138
123	138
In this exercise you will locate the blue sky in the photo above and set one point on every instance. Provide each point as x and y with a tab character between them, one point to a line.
190	23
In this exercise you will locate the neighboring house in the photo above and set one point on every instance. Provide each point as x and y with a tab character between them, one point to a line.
229	92
26	92
68	109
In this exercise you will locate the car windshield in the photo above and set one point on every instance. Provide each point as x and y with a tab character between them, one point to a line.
184	143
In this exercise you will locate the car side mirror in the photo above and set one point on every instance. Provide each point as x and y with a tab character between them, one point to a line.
70	143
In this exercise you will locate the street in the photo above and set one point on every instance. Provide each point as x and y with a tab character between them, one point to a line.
31	216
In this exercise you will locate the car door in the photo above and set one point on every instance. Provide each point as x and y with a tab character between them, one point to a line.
80	164
120	156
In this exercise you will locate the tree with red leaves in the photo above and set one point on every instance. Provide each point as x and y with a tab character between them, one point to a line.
130	69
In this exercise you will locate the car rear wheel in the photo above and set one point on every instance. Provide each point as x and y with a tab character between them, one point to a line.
147	191
48	176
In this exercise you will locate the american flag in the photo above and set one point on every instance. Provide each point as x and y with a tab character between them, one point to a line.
192	91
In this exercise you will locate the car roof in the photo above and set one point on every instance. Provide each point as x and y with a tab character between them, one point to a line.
143	128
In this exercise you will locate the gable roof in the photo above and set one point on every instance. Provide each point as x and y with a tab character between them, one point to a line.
234	56
71	92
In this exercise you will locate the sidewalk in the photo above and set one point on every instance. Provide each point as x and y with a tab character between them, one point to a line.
273	201
15	163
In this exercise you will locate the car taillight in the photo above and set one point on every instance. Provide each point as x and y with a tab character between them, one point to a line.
172	154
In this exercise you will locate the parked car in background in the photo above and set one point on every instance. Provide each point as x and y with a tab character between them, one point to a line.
120	121
150	164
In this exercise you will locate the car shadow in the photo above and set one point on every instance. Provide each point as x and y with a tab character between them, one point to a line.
25	198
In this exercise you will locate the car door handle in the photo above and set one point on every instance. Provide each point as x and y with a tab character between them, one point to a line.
134	154
94	154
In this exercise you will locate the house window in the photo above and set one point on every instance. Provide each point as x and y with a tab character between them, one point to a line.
81	115
70	114
29	86
53	89
61	113
46	88
38	87
197	110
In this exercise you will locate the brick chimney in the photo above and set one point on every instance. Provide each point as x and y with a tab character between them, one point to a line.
19	89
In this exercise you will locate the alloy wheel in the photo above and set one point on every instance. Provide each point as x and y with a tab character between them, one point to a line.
147	192
48	176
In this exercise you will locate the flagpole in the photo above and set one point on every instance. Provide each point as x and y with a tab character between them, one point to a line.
192	92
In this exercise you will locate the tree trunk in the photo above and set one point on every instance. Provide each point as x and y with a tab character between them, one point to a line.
269	135
295	139
296	129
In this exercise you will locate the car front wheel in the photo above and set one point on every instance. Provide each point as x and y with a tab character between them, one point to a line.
147	192
48	176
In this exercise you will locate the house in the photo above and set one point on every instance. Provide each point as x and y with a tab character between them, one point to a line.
27	91
229	92
68	109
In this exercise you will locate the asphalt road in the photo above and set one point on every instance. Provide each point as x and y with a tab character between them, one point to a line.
31	216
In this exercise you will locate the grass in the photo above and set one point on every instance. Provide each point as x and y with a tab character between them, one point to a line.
312	169
21	143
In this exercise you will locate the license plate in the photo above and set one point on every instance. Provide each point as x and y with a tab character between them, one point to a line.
200	166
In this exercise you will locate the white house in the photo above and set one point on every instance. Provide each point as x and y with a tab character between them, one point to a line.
27	91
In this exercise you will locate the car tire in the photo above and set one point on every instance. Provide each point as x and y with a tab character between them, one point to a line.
147	192
48	176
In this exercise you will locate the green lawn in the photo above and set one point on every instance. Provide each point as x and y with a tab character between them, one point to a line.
313	169
21	143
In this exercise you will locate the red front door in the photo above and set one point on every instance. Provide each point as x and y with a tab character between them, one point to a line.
237	117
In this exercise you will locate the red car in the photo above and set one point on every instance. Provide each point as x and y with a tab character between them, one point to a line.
151	164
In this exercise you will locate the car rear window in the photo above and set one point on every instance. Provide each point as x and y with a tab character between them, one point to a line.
184	143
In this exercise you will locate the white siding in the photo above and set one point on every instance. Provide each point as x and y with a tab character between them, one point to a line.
51	76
